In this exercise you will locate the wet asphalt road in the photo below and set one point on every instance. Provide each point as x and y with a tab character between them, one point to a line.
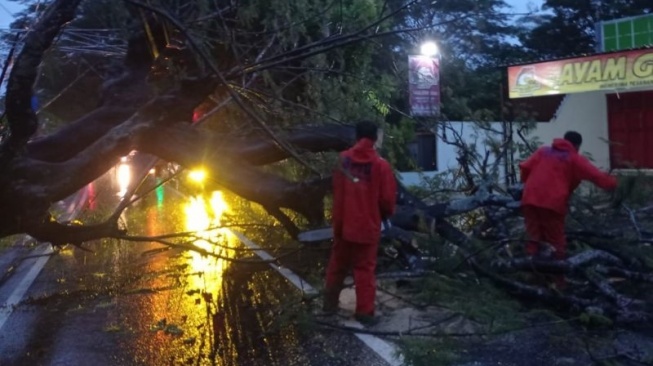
141	304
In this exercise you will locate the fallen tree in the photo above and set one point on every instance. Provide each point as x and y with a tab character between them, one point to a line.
609	267
138	113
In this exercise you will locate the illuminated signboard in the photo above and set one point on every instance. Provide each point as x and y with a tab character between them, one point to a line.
621	70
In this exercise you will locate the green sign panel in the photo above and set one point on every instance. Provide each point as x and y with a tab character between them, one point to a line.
626	33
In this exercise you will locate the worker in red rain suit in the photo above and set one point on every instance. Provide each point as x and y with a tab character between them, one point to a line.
550	176
364	193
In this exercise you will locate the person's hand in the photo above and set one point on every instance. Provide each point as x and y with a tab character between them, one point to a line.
624	189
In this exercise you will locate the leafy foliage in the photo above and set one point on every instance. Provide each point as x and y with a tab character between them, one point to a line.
427	353
476	300
574	21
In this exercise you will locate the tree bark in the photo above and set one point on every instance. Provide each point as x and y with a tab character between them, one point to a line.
557	266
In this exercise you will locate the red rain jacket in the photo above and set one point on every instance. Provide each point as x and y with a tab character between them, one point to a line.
553	172
363	195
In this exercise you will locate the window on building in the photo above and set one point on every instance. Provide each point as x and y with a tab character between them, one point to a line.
643	32
626	33
422	151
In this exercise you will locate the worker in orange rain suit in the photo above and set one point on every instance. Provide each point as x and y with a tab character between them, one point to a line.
364	193
550	176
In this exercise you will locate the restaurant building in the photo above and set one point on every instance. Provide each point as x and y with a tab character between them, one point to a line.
607	97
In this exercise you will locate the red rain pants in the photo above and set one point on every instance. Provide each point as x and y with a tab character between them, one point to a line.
544	225
361	258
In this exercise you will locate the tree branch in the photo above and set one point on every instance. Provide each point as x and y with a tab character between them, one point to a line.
120	98
557	266
223	80
21	116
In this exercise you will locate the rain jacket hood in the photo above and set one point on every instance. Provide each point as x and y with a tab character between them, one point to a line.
563	145
363	151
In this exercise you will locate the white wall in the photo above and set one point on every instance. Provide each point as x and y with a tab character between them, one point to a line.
586	113
415	178
447	153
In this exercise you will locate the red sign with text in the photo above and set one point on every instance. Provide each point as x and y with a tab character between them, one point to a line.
424	86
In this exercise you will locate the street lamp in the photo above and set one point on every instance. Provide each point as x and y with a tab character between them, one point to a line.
429	49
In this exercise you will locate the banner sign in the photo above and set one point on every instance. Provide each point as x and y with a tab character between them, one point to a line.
424	85
622	70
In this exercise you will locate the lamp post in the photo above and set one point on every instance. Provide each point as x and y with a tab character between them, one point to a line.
424	81
424	100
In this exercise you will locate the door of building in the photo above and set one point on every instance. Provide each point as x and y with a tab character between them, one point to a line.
630	130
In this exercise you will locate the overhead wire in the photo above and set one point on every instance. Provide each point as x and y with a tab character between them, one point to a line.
87	41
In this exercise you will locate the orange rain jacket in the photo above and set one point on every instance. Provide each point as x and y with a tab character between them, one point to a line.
364	193
553	172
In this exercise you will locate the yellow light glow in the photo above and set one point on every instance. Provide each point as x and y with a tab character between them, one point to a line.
203	217
123	176
218	205
197	175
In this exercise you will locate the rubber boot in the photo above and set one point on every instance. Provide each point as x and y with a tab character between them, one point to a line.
331	299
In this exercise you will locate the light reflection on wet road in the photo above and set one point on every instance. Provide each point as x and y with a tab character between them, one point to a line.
138	304
212	315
